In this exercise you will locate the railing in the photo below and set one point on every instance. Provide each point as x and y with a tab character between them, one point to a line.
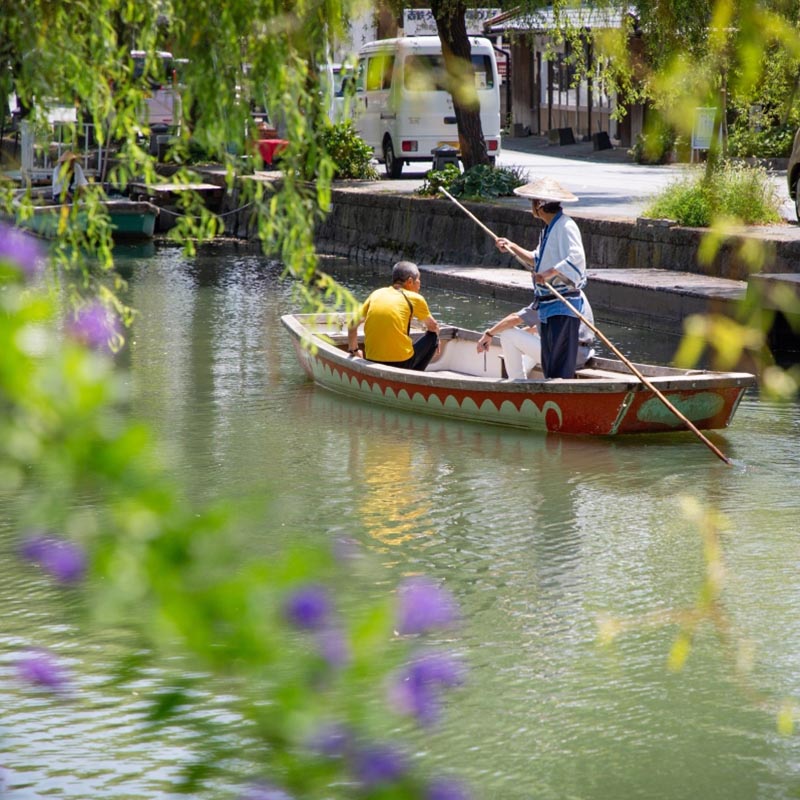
40	149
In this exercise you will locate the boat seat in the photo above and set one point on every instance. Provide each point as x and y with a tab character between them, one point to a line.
451	373
605	374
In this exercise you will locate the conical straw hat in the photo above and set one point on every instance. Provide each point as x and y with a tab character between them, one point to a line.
546	189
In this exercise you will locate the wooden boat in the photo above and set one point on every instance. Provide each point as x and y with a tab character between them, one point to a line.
130	219
605	399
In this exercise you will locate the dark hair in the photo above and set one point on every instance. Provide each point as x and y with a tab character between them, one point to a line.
403	270
552	207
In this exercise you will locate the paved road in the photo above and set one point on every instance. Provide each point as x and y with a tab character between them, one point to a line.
606	181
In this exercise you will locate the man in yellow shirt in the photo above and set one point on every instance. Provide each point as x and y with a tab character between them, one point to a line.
387	315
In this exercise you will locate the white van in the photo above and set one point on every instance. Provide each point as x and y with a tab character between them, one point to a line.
163	92
402	107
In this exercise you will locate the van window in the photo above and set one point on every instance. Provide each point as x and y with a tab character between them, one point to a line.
427	73
165	73
379	71
484	74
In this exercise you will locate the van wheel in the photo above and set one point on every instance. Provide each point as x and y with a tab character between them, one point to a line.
394	167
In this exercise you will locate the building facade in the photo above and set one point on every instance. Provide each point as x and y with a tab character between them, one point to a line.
544	96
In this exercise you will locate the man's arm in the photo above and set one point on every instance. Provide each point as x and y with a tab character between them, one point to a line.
352	339
511	321
520	253
352	331
431	324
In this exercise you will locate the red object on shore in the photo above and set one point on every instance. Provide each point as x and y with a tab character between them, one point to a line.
269	148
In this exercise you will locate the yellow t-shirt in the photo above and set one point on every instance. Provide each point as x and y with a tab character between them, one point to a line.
386	316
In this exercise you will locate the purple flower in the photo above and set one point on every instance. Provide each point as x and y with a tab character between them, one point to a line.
264	791
64	560
379	764
309	608
94	325
333	646
446	789
40	668
417	688
423	606
332	740
22	250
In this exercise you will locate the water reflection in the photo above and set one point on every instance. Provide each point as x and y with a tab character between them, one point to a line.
535	535
421	478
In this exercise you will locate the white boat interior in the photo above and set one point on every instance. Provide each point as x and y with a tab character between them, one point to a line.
458	356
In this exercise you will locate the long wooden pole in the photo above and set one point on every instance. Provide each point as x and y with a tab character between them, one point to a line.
657	392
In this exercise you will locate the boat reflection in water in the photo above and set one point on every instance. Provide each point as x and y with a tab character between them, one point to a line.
423	482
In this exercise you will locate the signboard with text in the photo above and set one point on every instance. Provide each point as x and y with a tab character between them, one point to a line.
703	129
420	21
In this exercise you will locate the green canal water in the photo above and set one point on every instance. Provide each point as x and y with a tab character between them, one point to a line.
539	538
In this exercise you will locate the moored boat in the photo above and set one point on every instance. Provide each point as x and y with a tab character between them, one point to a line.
605	399
129	219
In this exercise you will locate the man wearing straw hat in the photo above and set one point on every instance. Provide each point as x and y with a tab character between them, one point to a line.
559	260
68	178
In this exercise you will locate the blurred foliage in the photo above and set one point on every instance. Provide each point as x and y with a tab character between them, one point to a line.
708	611
772	142
655	146
765	118
240	55
735	193
305	666
677	56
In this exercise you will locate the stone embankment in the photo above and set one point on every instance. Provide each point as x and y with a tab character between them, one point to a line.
384	227
645	274
642	274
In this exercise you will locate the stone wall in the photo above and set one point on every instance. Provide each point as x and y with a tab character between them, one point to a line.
367	226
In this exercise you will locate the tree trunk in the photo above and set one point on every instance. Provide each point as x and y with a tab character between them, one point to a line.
452	29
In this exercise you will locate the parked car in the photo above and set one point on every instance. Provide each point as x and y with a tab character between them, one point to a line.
793	173
334	79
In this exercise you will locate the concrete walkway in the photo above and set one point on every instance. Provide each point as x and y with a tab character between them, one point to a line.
608	182
658	300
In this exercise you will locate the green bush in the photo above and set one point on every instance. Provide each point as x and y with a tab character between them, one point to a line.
351	154
436	179
655	146
480	182
772	142
733	191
